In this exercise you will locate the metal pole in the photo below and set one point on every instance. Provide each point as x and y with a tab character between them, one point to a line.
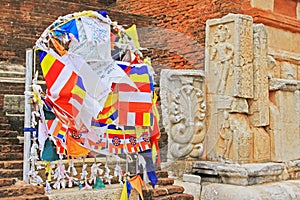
27	115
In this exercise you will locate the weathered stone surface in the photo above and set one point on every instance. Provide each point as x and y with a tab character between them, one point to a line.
259	105
183	112
280	190
14	104
236	174
229	80
190	188
284	125
229	51
293	168
191	178
109	192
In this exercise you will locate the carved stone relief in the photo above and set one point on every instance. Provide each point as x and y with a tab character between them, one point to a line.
183	107
229	79
259	105
229	56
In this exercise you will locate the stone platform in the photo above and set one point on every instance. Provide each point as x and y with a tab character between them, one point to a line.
284	190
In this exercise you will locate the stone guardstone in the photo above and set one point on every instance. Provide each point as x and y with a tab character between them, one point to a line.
183	106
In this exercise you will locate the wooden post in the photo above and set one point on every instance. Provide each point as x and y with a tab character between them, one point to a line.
27	117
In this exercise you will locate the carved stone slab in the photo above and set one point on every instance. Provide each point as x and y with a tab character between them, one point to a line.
228	56
259	105
183	107
236	174
284	124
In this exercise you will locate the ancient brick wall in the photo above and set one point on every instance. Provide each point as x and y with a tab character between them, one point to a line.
22	22
180	33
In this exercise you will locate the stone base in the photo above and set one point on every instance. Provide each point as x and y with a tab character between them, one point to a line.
279	190
109	192
244	174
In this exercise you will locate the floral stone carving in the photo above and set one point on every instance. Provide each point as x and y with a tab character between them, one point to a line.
183	108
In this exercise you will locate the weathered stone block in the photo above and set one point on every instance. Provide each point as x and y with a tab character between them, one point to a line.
183	105
14	104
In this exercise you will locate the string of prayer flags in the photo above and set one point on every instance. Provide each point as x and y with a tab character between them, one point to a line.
100	95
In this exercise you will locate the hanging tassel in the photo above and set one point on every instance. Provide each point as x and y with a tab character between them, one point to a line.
60	175
95	170
118	173
71	169
48	188
107	176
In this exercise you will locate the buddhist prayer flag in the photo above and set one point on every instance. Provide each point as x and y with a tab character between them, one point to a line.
60	81
115	139
74	148
68	29
131	142
135	105
57	129
98	145
109	113
144	138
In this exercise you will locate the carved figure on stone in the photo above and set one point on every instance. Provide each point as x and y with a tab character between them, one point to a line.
222	53
187	114
226	134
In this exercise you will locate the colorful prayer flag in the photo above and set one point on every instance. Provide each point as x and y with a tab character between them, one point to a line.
135	105
144	139
131	142
115	140
137	183
68	29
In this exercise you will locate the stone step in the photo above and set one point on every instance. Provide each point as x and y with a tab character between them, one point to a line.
14	164
11	156
165	181
9	140
7	181
162	174
11	173
8	134
21	189
175	197
4	126
33	197
163	191
17	148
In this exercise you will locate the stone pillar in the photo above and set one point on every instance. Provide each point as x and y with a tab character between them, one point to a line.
285	119
259	105
183	107
229	79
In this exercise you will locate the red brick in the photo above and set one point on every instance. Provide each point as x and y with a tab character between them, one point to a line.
174	189
7	181
165	181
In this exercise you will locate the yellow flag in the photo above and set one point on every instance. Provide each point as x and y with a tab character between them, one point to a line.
132	33
124	195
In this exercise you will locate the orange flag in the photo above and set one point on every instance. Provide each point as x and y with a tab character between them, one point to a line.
137	183
74	149
60	49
